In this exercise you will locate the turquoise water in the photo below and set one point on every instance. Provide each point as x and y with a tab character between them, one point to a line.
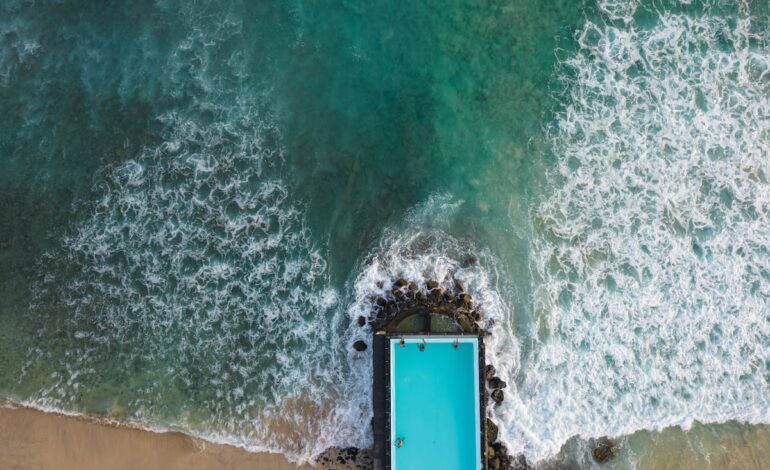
200	199
434	404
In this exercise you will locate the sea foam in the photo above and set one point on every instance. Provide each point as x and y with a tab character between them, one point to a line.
650	257
191	283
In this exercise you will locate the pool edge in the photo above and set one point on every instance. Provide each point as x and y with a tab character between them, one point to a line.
381	405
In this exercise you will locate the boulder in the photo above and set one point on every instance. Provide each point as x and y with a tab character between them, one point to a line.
436	295
401	282
381	302
361	320
501	454
497	396
496	383
490	371
432	284
359	346
492	431
465	323
604	450
412	286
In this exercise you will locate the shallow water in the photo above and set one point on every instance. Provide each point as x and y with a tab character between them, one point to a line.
201	199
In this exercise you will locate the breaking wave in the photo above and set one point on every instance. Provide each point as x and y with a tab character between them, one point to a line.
421	249
651	262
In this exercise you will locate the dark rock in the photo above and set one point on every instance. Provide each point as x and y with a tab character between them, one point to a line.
432	284
361	321
398	293
436	295
497	396
492	431
470	261
604	450
465	323
401	283
412	286
467	300
496	383
490	371
359	346
381	302
494	464
419	296
500	448
459	287
490	453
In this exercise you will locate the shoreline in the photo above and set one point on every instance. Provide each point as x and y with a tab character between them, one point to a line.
32	438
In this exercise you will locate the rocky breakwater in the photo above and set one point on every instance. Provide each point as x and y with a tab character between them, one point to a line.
498	457
423	302
418	306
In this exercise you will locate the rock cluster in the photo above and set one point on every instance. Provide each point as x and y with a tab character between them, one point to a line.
498	457
604	450
404	297
495	385
350	458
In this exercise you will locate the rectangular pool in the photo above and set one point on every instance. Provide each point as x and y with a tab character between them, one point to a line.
434	403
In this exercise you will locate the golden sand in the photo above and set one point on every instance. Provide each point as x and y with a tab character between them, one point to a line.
32	439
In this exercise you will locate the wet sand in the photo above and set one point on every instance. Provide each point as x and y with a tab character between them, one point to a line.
32	439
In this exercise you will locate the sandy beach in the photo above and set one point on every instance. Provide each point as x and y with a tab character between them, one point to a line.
32	439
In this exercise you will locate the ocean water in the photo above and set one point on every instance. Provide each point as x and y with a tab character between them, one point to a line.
200	199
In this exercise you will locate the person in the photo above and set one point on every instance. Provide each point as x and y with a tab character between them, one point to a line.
399	442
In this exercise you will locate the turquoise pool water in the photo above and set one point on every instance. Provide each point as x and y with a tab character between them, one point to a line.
435	404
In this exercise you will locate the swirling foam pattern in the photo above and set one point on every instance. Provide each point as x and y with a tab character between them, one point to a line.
196	288
651	253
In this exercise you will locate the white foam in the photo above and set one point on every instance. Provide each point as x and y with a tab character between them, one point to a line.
191	288
420	249
650	258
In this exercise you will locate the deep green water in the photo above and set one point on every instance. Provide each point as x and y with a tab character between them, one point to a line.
199	200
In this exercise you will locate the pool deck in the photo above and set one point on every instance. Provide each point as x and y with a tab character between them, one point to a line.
381	394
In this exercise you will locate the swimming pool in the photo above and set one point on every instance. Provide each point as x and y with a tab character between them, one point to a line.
435	403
